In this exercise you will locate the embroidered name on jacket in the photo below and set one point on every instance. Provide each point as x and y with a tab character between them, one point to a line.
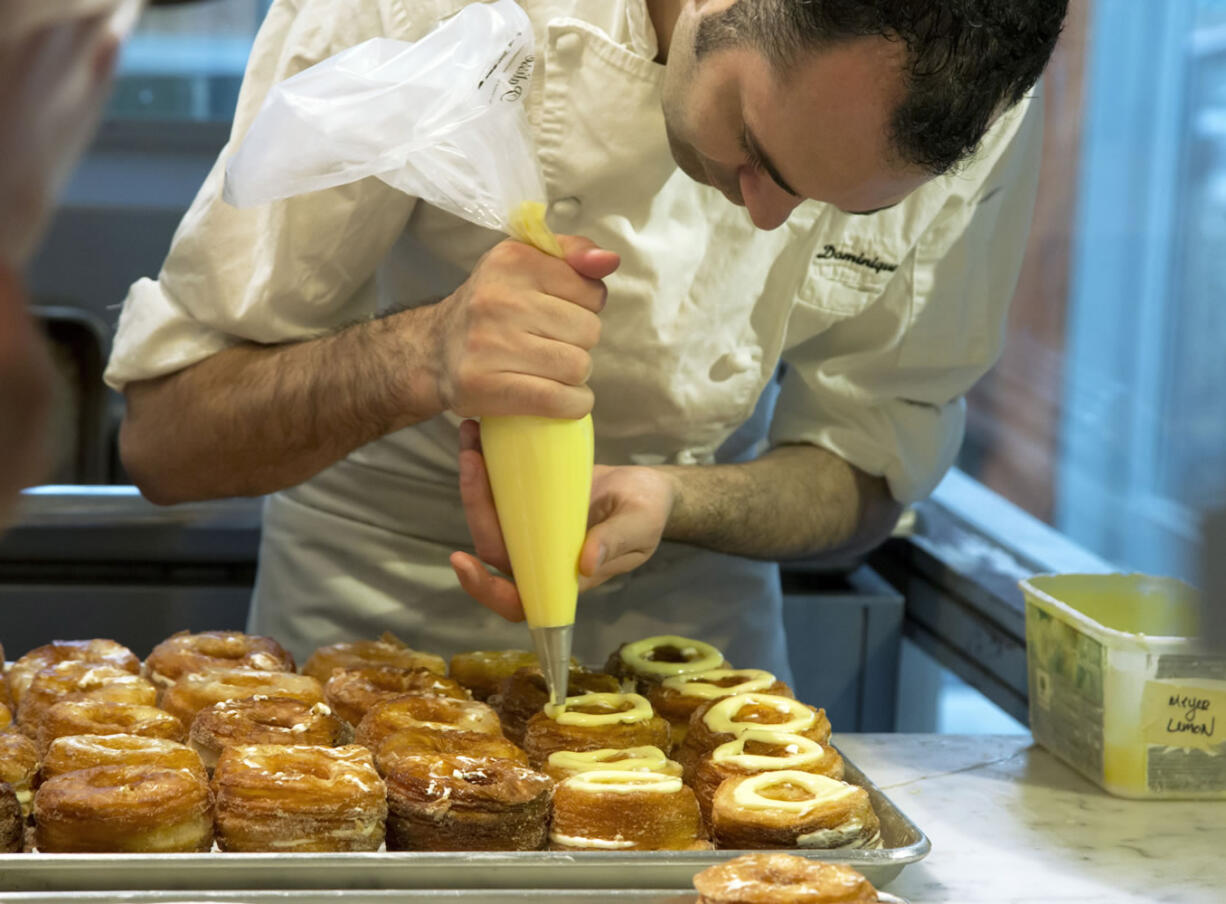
876	264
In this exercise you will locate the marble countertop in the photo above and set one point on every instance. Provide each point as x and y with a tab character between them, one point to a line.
1011	824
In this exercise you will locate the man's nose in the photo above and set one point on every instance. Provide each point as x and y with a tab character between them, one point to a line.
769	205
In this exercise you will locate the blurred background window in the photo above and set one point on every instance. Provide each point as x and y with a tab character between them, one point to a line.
1107	415
186	62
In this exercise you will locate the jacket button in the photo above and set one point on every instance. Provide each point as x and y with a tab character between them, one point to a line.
568	46
566	208
741	360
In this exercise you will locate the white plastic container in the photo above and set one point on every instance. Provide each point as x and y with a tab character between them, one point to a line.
1119	688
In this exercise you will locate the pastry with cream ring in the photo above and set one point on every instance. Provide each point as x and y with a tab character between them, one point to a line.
351	692
523	694
123	809
649	661
185	653
200	690
791	809
722	720
388	650
265	720
98	651
761	750
103	717
618	810
677	697
459	803
593	721
778	878
562	764
19	767
74	752
297	799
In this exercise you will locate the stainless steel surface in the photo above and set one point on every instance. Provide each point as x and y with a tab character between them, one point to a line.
553	652
114	524
904	843
633	896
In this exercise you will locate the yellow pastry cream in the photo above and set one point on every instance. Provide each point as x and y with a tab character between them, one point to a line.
666	655
590	710
725	716
714	683
566	763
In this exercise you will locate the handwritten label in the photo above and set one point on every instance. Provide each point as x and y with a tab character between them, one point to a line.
1181	715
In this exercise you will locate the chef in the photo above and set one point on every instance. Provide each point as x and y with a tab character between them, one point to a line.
55	63
827	199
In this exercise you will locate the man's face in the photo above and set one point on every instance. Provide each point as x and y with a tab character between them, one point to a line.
768	141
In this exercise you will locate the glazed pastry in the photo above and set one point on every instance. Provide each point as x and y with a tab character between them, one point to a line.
6	717
128	809
351	692
73	752
781	879
483	671
98	651
388	650
424	712
79	680
562	764
460	803
186	653
265	720
200	690
791	809
298	799
523	694
102	717
652	659
12	821
677	697
762	750
19	766
721	721
418	742
593	721
611	810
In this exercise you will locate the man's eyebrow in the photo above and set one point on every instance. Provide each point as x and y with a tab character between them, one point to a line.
765	160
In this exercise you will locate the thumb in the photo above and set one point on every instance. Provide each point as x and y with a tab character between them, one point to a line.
586	258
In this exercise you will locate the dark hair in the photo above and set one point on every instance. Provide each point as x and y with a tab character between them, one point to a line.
967	60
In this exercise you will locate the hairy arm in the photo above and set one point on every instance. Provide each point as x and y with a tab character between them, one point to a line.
514	339
797	500
254	418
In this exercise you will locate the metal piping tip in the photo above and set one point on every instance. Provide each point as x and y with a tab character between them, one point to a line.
553	650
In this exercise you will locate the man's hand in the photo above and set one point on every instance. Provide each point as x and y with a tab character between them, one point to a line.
629	509
515	337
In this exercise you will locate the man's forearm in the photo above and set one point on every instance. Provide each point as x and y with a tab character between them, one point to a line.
254	419
795	501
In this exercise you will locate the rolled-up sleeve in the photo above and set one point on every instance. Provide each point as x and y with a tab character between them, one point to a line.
279	272
885	388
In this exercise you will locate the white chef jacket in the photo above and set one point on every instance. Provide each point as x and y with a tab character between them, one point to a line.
883	321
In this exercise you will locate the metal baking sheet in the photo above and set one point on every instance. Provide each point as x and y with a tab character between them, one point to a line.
345	896
903	843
